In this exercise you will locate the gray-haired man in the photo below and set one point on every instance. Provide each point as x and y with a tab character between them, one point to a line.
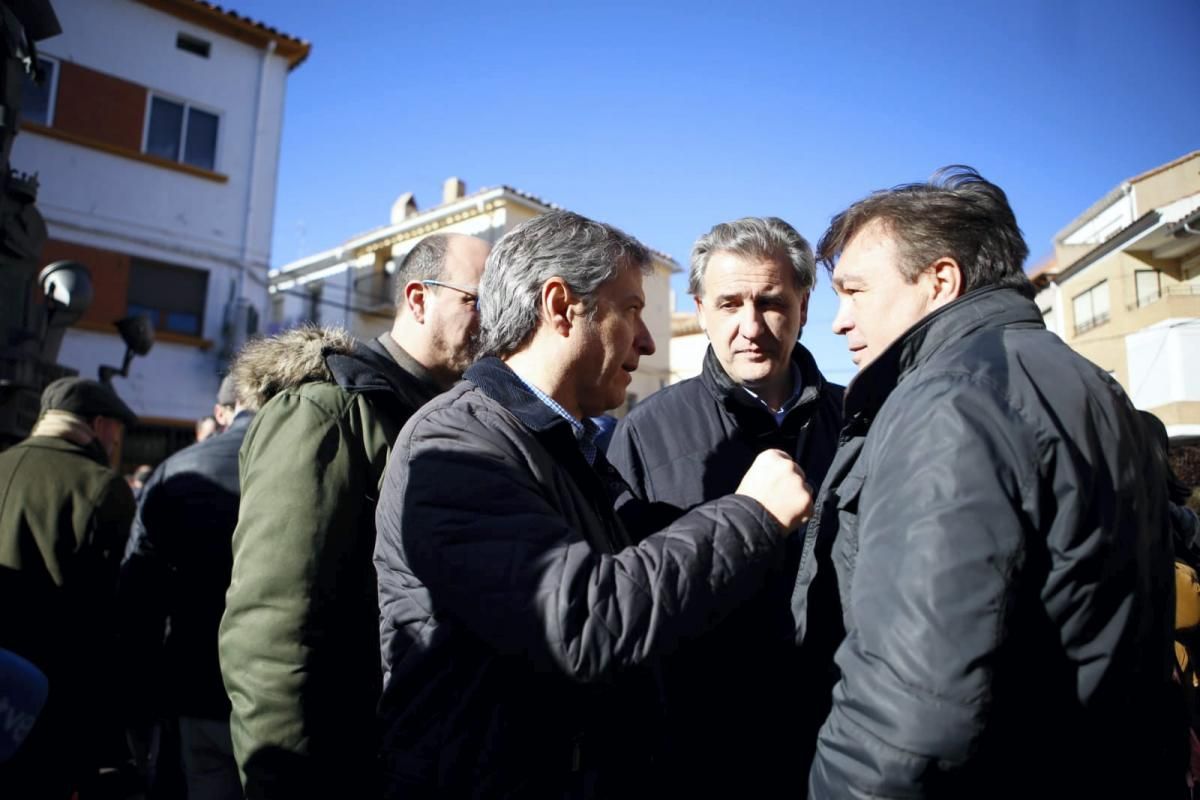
742	713
520	622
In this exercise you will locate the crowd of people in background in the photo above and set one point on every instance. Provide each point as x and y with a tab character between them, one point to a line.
432	564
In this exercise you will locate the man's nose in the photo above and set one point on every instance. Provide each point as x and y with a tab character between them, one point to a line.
750	322
843	321
644	341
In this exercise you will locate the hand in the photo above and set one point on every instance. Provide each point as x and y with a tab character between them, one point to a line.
776	481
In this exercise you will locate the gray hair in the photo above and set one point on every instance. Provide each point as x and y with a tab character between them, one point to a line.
757	237
586	254
425	262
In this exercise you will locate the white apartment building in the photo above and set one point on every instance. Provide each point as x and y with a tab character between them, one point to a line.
351	285
156	141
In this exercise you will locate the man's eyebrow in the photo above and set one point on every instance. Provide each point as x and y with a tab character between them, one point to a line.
844	278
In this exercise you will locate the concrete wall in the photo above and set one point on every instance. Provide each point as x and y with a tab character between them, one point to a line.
175	212
97	198
1169	185
654	371
687	356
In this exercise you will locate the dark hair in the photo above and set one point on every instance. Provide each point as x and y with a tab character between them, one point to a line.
425	262
957	214
1156	432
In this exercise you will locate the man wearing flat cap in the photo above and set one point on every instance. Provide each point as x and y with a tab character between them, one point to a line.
64	518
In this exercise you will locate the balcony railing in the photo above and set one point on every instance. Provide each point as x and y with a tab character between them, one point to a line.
1179	290
373	290
1087	325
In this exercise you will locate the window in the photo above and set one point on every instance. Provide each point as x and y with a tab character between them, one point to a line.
171	296
1149	286
193	45
315	291
180	132
1091	307
37	102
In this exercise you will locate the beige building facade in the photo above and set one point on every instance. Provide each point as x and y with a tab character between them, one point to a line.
688	346
351	285
1123	289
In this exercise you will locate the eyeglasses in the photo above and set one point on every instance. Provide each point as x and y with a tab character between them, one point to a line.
471	293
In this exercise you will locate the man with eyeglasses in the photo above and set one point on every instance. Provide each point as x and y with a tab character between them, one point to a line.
299	638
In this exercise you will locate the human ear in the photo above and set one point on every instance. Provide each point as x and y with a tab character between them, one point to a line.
700	313
946	281
414	299
557	306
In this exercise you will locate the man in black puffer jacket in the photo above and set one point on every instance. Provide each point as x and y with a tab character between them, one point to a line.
172	595
692	442
521	624
995	514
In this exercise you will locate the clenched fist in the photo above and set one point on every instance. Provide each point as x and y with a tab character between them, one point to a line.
776	481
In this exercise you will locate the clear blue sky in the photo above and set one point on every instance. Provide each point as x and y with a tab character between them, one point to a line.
665	118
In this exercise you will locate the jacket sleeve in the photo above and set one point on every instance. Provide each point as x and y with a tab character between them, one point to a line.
304	475
625	453
98	565
639	506
941	528
145	576
634	505
502	560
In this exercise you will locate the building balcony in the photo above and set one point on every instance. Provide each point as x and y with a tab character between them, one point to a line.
373	292
1164	361
1179	301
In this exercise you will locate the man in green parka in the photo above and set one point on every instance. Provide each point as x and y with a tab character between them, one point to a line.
64	518
299	642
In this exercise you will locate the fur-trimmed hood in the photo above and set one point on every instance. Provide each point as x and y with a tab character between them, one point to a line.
266	367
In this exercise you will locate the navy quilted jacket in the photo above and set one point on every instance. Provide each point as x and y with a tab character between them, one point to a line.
693	442
520	625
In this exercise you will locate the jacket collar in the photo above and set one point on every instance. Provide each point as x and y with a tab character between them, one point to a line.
369	367
92	451
241	422
406	361
990	308
499	383
496	380
738	401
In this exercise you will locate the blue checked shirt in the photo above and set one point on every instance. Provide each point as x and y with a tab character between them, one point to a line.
585	431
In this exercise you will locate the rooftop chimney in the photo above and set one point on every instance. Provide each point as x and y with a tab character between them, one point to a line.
453	189
404	207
